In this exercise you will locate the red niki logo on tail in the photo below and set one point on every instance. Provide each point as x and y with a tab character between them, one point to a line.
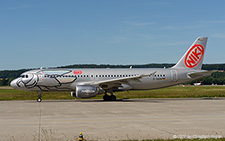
194	56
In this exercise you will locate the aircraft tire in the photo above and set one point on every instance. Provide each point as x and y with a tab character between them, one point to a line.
39	100
109	98
106	98
112	98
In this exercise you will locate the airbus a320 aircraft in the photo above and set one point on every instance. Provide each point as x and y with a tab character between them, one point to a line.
86	83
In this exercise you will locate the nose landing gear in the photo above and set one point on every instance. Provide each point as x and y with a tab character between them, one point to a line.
39	97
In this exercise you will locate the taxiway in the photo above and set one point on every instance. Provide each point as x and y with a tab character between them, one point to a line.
99	120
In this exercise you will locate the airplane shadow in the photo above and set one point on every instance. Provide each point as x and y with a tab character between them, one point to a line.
102	101
157	100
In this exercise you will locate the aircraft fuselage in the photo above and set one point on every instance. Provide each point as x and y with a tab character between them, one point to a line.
68	79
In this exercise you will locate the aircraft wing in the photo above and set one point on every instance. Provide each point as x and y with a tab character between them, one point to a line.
118	81
200	74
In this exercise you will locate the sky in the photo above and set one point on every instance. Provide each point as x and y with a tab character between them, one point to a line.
51	33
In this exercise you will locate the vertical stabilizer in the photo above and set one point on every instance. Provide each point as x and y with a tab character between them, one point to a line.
193	58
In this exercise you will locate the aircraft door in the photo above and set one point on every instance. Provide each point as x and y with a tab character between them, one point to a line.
39	77
174	75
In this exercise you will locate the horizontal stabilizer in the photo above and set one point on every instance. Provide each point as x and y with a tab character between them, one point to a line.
201	74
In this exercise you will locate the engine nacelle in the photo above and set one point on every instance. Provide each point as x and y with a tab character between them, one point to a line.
85	91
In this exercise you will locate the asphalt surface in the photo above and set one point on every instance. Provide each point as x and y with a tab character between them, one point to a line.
119	120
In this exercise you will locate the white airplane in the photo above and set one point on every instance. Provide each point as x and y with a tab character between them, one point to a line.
198	84
86	83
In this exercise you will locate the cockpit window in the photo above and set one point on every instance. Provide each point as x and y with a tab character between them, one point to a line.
24	76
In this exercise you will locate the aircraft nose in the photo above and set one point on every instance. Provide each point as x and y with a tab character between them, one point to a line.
13	84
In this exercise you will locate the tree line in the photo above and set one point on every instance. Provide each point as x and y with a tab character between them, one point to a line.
6	76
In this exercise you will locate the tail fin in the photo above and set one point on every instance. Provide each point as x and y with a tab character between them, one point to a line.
193	58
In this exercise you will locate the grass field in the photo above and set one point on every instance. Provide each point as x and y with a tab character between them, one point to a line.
171	92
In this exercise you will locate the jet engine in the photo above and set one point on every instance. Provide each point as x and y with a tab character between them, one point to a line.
85	91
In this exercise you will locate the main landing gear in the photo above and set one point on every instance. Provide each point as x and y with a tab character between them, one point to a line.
109	98
39	97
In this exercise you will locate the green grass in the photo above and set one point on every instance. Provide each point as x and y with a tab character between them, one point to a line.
171	92
177	92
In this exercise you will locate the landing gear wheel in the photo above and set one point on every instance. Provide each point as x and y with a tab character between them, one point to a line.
109	98
39	97
113	98
39	100
106	97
